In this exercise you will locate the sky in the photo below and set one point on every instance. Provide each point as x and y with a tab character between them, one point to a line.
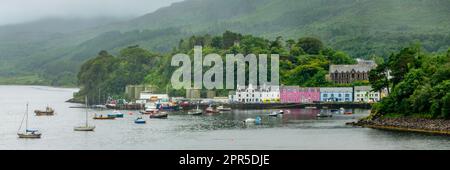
19	11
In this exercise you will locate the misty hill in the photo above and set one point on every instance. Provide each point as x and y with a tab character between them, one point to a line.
360	27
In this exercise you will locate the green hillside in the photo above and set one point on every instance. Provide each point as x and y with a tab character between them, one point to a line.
361	28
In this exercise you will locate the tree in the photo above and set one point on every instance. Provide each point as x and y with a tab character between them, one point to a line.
310	45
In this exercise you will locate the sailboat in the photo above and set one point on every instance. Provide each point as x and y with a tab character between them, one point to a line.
195	112
29	133
86	126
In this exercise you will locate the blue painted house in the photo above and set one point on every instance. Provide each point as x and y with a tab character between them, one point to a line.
336	94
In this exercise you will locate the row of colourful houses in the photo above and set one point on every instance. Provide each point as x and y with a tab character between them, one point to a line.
296	94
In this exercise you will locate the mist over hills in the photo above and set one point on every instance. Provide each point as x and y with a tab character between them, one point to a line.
53	49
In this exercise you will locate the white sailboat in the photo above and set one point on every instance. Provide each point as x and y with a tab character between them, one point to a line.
195	112
86	126
28	133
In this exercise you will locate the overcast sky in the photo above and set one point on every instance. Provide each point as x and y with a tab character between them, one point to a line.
18	11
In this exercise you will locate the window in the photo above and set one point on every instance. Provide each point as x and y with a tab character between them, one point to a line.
347	95
325	95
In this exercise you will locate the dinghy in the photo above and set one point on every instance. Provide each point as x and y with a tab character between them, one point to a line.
139	121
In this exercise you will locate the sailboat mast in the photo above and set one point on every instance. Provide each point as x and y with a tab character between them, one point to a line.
85	99
26	121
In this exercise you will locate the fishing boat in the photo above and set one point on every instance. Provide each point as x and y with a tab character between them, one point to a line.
101	117
195	112
116	114
47	112
28	133
139	120
223	109
160	115
86	126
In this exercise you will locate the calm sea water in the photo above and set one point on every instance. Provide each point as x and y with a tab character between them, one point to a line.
299	129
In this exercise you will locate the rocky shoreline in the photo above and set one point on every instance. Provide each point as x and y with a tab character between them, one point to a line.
434	126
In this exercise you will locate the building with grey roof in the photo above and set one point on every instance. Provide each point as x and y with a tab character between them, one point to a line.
345	74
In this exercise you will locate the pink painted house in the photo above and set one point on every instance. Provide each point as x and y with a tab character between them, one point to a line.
309	94
295	94
290	94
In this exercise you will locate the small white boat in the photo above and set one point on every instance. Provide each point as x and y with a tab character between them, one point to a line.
256	121
249	120
274	114
28	133
195	112
281	112
86	126
222	108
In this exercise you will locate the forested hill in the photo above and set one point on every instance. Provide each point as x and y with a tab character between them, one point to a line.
361	28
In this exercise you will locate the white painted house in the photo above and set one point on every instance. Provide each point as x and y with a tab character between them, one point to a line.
366	95
254	94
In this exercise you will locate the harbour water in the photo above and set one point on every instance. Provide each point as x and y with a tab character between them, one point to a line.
298	129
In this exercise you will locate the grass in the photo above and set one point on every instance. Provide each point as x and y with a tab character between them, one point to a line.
22	80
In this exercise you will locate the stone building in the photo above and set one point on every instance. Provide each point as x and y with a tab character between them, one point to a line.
345	74
193	93
133	91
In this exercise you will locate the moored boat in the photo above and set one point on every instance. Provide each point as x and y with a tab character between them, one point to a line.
161	115
273	114
116	114
28	133
211	110
222	108
101	117
86	126
47	112
256	121
195	112
139	120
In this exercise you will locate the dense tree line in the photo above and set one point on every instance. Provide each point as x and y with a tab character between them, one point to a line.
420	84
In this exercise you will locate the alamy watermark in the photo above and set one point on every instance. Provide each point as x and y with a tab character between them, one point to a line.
214	78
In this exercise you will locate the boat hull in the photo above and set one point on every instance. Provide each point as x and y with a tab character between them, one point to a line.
43	113
116	115
104	118
84	128
139	122
159	116
29	136
195	113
